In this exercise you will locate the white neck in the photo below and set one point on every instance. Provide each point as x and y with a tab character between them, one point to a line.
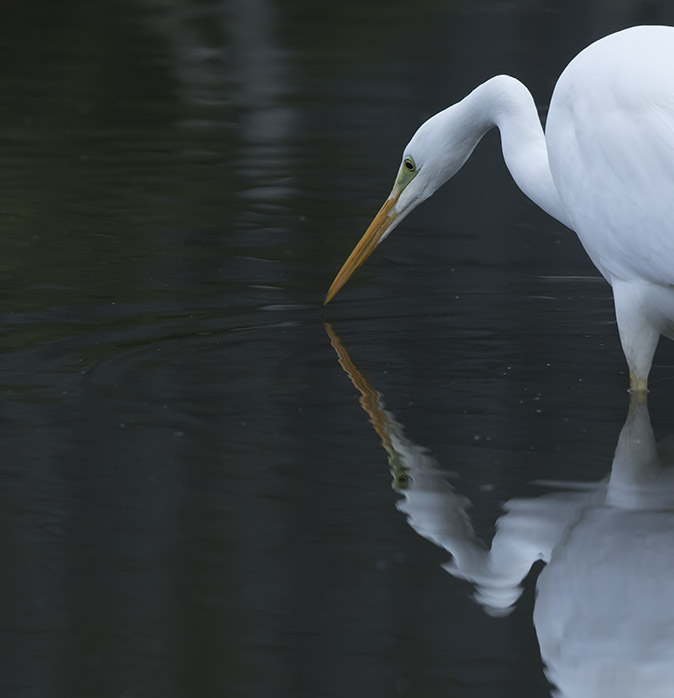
506	103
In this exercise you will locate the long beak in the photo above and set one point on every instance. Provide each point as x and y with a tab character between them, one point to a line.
375	233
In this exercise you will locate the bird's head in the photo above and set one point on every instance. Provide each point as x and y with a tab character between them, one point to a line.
436	152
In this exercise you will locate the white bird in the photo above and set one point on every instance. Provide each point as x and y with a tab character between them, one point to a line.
604	167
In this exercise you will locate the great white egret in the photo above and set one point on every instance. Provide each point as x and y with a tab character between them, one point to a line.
604	167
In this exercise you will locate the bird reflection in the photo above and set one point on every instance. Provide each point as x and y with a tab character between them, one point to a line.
603	612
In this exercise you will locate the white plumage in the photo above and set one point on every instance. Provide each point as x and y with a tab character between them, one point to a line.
604	167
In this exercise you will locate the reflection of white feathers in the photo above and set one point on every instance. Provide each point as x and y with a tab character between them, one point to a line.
603	614
434	509
526	533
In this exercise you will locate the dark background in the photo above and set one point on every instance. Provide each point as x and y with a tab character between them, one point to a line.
192	502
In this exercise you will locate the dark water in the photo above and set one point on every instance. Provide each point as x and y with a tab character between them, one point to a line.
193	502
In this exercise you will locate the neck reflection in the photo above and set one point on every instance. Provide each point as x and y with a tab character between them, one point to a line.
603	612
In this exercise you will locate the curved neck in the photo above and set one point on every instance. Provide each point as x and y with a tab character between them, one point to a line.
506	103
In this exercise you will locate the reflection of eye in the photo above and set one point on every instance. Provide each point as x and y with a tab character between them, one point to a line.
409	164
401	482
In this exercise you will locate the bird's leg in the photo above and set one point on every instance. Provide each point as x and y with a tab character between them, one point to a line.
638	391
638	334
638	385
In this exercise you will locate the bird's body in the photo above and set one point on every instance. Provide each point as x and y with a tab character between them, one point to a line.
604	167
610	136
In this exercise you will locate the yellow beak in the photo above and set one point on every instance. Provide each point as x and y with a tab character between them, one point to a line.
373	236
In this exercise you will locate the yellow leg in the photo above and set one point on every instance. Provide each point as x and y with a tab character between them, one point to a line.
638	390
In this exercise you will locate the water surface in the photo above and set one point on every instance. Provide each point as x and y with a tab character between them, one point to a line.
194	502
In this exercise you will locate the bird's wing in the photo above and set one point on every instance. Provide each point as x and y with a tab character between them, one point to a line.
610	137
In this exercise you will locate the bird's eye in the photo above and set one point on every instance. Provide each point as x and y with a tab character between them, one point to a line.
409	164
